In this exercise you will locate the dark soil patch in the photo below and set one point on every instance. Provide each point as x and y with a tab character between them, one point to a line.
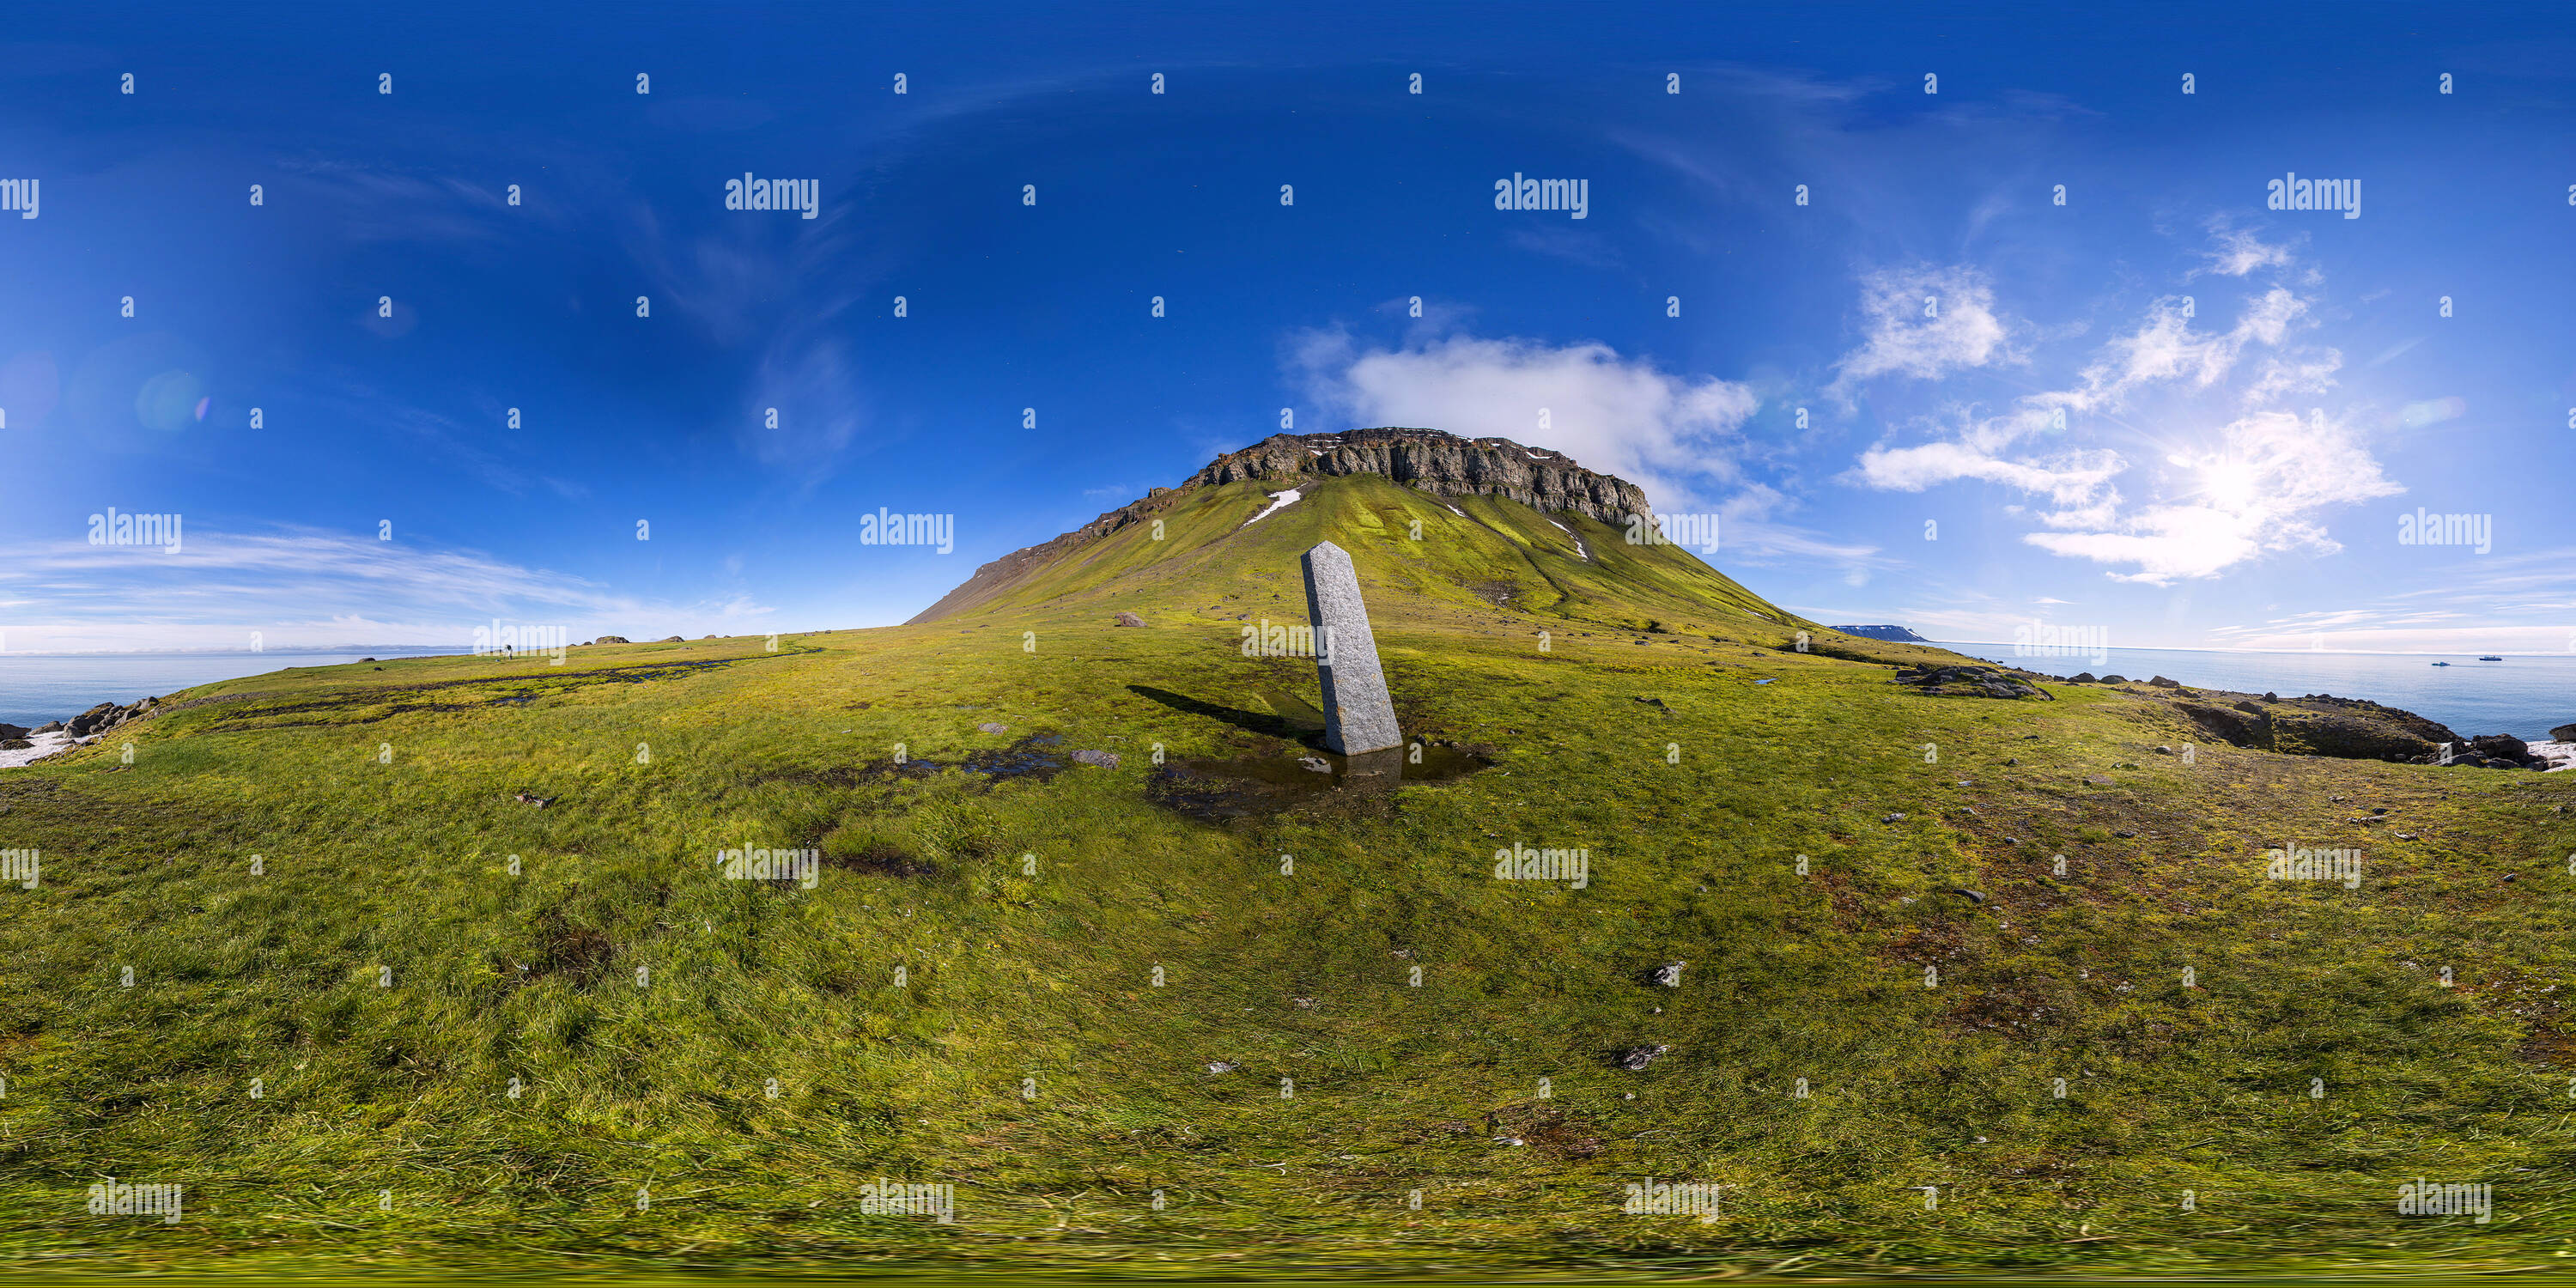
1225	791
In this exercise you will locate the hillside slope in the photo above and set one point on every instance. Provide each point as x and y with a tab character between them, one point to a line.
1405	504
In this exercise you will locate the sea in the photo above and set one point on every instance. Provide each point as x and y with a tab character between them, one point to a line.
37	688
2525	696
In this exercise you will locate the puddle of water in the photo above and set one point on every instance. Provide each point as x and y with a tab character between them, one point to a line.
1223	790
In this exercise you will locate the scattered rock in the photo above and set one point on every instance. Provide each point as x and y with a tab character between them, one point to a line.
1222	1066
13	731
2084	677
2163	683
1103	759
50	726
1315	763
1971	896
539	801
16	744
1669	974
1893	818
1968	681
2115	679
673	639
2563	733
614	639
1635	1059
991	727
1127	619
2162	750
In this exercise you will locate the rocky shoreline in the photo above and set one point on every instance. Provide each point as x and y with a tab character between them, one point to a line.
2321	724
20	745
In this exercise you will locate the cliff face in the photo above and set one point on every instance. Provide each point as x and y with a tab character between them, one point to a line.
1428	460
1425	460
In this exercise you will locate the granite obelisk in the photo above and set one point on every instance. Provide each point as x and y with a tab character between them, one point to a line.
1358	715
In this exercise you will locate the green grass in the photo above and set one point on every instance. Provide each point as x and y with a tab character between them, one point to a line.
379	802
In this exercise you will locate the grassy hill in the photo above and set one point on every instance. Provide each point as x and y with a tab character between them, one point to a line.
1012	974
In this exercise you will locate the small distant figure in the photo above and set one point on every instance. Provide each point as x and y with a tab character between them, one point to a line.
539	801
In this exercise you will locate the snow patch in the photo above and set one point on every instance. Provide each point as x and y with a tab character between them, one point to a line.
1278	501
1578	541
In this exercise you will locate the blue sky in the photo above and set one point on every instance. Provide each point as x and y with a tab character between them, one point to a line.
2251	398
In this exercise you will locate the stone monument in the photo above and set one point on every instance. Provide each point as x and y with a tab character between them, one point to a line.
1358	716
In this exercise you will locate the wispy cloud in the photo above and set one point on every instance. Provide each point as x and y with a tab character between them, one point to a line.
304	588
1924	322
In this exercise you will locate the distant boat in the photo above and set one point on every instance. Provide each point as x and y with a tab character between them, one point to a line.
2490	659
2441	664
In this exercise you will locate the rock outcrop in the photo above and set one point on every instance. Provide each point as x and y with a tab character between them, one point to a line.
1426	460
1968	682
1442	464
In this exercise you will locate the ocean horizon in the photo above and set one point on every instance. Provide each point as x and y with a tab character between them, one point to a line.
37	688
2525	695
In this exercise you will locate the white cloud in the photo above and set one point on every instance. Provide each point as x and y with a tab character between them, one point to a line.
2258	488
305	589
1616	415
2257	493
1925	322
2240	252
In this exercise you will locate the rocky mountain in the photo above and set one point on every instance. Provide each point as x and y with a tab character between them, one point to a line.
1892	634
1476	524
1442	464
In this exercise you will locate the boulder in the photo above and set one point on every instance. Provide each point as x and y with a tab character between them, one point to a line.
16	744
1969	682
2163	683
50	726
2084	677
2563	733
12	731
1127	619
2115	679
1103	759
673	639
614	639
